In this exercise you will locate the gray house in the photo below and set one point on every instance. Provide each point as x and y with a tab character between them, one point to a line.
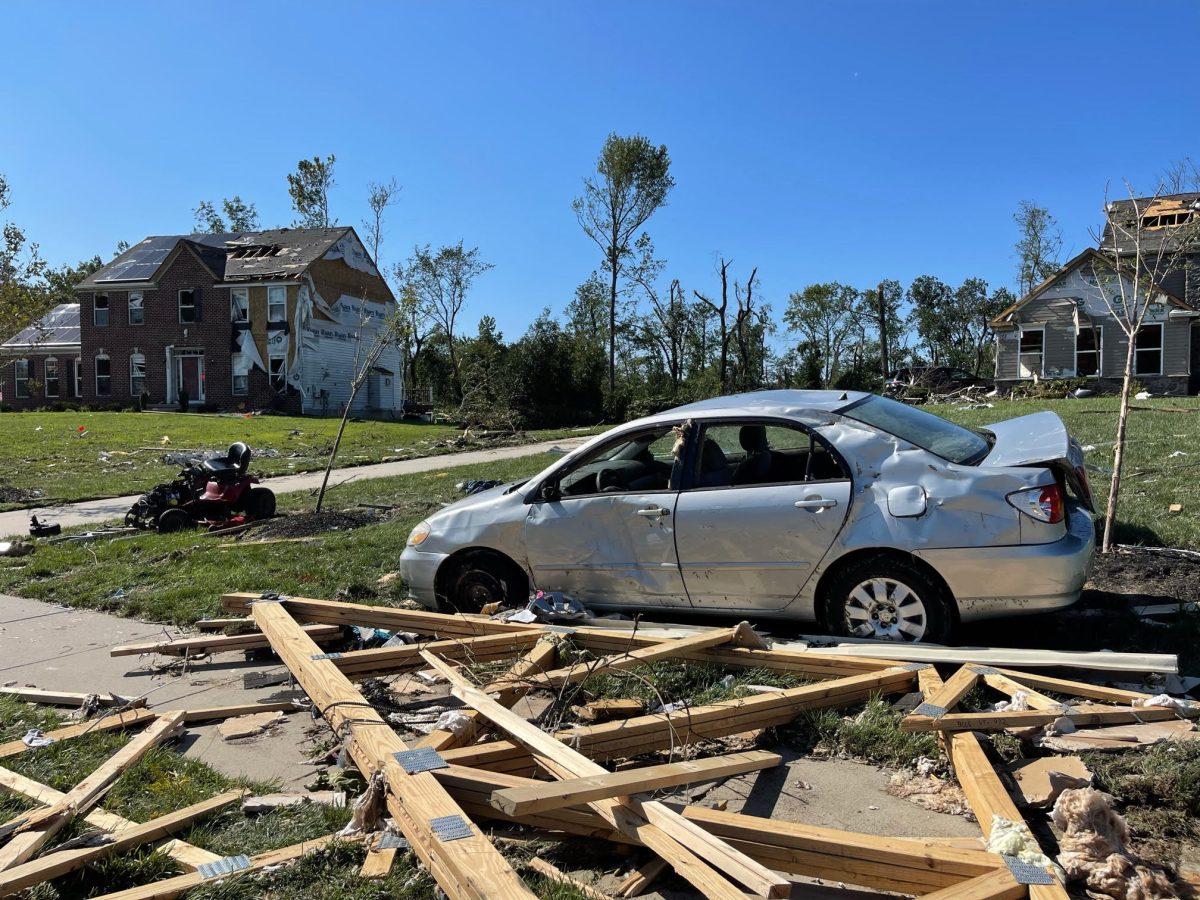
1064	329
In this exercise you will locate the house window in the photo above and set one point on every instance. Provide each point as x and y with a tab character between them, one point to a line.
1033	343
276	304
77	379
239	305
1089	345
137	308
187	307
137	374
100	310
277	369
21	375
103	376
1147	350
50	377
241	383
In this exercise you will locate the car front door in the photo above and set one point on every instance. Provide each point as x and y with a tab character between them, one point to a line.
750	537
603	529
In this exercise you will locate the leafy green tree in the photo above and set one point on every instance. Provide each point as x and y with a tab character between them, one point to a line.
24	297
632	181
826	316
309	188
1038	247
237	215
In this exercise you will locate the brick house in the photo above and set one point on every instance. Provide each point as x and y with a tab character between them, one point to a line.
40	365
1063	328
271	319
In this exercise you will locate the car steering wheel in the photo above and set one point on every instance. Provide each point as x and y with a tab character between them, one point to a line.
608	480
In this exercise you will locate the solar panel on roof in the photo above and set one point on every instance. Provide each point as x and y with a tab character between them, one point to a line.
140	262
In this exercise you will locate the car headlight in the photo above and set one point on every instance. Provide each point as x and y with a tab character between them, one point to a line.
418	534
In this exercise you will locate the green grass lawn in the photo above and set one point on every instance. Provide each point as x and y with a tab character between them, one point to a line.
178	578
119	453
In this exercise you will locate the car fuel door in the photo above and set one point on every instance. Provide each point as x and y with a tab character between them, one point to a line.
753	543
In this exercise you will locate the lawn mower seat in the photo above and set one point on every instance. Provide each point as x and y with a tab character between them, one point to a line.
234	464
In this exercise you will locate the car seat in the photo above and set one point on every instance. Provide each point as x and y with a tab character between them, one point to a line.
756	467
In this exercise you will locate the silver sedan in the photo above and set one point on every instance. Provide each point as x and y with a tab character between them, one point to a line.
875	518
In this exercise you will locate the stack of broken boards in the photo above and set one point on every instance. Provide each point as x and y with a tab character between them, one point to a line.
493	766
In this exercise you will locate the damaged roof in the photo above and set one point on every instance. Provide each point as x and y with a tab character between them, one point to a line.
231	256
58	328
1165	219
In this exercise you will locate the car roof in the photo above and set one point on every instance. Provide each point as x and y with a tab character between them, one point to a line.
780	402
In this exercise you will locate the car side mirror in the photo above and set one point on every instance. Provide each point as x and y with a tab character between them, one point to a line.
550	492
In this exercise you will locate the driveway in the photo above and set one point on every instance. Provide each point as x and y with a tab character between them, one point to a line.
97	512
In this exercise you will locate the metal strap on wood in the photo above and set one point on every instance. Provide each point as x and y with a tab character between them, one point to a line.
1027	873
225	866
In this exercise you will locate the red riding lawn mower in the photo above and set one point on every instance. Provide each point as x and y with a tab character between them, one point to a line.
217	492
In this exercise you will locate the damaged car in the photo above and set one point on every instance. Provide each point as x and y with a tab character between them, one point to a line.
875	518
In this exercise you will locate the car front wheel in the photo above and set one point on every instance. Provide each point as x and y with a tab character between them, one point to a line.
891	600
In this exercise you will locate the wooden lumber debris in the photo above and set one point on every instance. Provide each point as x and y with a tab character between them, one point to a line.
184	854
636	883
693	853
69	698
550	870
181	884
253	806
467	866
195	646
111	722
87	793
55	865
557	794
603	710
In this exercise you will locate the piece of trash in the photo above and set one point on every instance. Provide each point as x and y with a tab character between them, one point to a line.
34	738
1019	702
429	676
1088	448
872	807
1061	725
248	726
400	638
1175	507
15	548
926	766
1165	700
523	616
1142	395
81	431
1042	780
1176	454
727	682
478	485
1009	838
1094	849
164	441
555	606
453	721
386	579
671	707
43	529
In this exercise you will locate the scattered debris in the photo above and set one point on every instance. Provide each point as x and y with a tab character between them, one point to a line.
1042	780
930	792
1093	849
253	806
1121	737
241	727
15	548
43	529
310	524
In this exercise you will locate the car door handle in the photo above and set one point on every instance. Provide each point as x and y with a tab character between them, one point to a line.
654	512
815	503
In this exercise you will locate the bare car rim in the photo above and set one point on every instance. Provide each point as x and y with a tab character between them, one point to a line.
885	609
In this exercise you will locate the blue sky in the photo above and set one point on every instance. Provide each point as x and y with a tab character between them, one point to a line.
818	141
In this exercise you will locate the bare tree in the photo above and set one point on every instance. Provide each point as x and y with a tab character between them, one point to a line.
417	323
382	195
387	335
1038	246
1182	176
440	281
632	181
1143	242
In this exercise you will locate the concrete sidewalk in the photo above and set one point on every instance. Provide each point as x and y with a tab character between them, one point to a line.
97	512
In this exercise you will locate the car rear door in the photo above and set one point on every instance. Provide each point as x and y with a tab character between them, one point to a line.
752	542
612	544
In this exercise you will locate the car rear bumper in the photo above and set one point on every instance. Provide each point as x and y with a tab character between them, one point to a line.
990	582
419	570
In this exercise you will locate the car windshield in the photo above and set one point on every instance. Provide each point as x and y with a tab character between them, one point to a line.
929	432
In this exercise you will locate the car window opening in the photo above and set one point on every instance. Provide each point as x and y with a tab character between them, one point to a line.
754	453
638	463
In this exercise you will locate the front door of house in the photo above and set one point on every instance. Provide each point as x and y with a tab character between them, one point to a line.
191	377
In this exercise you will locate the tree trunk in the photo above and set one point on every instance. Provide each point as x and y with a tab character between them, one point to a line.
337	441
612	323
883	333
1114	488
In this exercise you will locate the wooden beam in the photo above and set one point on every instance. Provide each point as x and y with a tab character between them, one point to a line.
660	731
181	884
88	792
112	722
953	690
378	863
68	698
642	877
1075	688
693	853
469	867
378	661
640	657
184	854
218	643
510	688
557	794
1080	715
55	865
215	713
1011	688
542	867
997	885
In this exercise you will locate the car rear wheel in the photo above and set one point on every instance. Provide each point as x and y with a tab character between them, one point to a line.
889	599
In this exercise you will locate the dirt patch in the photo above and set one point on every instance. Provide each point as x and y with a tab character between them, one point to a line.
308	524
10	494
1149	577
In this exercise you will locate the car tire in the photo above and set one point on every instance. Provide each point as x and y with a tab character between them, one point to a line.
174	519
478	582
260	503
889	598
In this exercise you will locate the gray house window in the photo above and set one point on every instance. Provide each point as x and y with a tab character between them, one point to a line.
21	378
103	376
50	369
1147	350
100	310
1089	345
1033	344
188	311
137	308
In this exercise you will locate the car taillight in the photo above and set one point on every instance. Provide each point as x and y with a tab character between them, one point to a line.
1045	504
